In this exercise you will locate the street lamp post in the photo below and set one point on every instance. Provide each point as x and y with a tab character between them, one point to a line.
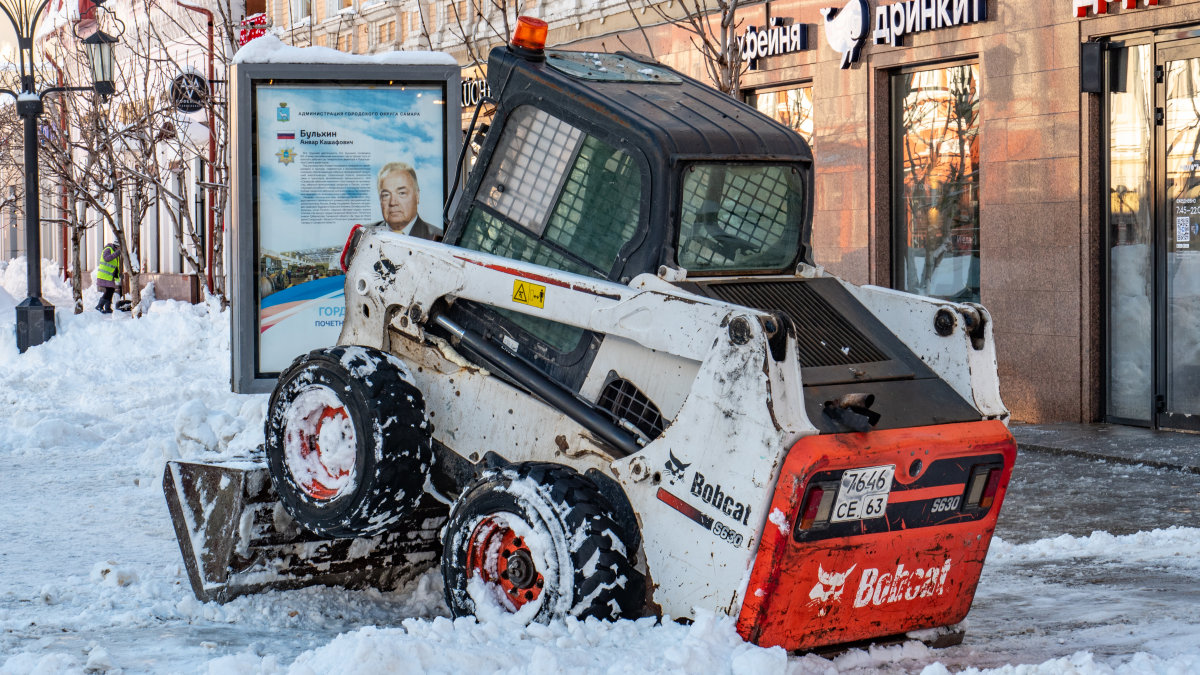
35	318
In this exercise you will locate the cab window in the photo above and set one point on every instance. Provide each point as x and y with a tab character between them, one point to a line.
555	196
740	217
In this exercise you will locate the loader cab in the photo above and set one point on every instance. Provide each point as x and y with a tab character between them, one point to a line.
611	166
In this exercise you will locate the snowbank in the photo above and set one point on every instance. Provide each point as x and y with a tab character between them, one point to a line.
270	49
447	646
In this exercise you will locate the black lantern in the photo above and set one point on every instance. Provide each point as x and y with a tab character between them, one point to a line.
99	47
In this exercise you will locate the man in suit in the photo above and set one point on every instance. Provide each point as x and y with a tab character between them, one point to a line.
398	198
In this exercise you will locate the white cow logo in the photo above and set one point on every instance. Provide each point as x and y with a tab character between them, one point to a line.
829	586
846	29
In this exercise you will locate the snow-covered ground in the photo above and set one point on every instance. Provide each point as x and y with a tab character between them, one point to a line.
91	579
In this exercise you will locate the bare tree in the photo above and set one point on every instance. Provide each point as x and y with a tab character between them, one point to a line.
713	32
481	25
12	161
74	132
940	180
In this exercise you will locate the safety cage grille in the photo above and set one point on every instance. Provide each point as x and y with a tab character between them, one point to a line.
626	402
824	336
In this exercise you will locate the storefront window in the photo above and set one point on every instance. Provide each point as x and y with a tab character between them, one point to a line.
935	212
792	107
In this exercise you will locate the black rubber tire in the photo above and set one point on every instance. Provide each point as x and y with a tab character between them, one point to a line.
598	578
393	450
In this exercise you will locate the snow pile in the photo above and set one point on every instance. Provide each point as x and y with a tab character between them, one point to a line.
447	646
270	49
1182	542
1085	663
14	286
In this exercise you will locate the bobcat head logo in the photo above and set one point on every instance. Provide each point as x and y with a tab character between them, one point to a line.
675	467
829	586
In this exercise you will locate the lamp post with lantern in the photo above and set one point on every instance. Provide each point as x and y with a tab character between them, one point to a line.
35	318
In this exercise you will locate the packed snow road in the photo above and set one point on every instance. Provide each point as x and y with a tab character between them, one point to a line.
1096	567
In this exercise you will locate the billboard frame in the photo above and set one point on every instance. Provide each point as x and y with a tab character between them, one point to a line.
244	319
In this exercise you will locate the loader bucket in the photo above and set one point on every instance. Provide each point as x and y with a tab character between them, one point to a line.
236	538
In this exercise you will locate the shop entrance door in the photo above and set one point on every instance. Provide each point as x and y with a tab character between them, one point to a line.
1152	238
1178	254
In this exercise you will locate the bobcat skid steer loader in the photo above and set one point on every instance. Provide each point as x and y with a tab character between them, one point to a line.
620	387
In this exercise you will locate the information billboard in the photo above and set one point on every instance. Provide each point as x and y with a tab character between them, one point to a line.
318	155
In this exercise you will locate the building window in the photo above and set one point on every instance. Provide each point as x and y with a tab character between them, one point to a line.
935	170
346	4
303	9
791	106
387	31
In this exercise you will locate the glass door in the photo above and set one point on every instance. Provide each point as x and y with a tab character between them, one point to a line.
1129	238
1179	253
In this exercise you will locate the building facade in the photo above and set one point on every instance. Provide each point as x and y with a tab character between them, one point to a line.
1037	157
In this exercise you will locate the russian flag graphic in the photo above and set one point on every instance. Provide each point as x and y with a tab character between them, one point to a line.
286	136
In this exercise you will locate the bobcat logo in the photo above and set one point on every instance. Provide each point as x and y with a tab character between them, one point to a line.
675	467
829	586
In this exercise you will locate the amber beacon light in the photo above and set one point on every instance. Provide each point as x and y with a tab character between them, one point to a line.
530	34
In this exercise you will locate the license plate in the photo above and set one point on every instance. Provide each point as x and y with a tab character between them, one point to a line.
863	494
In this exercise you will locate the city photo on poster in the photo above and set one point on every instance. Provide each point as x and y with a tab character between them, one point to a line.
329	157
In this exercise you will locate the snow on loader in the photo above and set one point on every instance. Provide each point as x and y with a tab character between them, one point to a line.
620	387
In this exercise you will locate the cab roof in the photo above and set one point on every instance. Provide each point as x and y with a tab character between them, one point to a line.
661	108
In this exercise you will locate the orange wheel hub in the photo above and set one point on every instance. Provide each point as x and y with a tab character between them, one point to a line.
310	444
502	558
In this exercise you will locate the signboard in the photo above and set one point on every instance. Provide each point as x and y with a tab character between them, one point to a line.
894	21
1102	6
314	148
253	26
783	36
846	27
188	92
474	90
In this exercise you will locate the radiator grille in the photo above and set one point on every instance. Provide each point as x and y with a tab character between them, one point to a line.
624	401
825	337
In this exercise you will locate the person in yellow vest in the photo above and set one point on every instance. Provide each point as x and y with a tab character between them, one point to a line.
108	275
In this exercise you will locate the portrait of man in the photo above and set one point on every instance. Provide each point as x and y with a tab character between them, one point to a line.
399	195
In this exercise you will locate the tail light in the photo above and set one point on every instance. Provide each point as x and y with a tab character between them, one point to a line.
356	233
989	491
982	487
817	506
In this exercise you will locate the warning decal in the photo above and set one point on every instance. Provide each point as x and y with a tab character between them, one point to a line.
529	294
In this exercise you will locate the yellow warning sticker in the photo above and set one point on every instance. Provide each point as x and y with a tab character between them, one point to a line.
529	294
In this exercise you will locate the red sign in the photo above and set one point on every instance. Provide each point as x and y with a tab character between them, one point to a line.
1101	6
251	27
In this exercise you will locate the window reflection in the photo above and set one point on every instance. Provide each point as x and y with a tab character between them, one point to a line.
791	107
936	167
1130	315
1183	235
